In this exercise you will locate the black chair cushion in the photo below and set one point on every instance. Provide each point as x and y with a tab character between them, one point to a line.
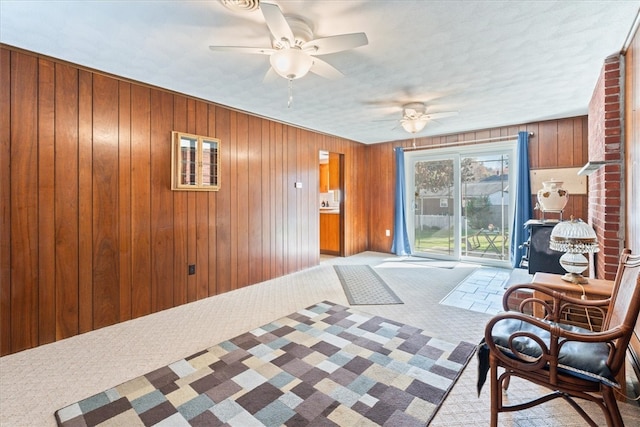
579	359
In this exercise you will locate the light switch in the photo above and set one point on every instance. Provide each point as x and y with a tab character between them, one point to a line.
298	185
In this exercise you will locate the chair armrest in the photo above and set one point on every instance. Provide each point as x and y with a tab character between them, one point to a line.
524	342
555	303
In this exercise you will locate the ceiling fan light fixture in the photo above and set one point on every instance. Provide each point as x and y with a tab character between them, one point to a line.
241	5
413	125
291	63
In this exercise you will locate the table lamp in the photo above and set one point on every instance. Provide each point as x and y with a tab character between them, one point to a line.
574	238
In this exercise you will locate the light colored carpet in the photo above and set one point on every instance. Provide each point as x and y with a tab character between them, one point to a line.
35	383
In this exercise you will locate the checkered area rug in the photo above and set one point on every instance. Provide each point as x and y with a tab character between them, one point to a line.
325	365
363	286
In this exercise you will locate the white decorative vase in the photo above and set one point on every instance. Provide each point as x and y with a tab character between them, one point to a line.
552	197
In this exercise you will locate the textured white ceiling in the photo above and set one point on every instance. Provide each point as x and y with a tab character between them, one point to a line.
495	62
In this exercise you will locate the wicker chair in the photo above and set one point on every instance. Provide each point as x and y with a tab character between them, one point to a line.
572	362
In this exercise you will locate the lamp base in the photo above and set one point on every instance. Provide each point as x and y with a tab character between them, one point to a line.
575	278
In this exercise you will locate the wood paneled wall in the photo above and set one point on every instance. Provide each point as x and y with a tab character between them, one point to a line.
556	144
91	233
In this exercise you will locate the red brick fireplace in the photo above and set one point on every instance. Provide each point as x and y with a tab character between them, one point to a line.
606	144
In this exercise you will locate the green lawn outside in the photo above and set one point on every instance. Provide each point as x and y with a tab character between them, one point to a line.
437	239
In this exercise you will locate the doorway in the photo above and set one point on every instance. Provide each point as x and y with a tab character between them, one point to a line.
330	201
460	202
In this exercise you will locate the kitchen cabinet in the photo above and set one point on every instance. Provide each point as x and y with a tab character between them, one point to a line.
330	233
334	171
324	178
330	174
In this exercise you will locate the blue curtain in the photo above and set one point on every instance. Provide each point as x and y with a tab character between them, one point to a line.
523	209
401	245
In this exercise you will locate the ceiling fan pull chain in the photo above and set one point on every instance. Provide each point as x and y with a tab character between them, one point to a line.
290	101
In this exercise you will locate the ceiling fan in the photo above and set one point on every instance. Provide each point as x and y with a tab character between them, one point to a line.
415	116
293	52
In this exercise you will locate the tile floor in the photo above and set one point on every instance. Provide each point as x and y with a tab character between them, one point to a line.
482	290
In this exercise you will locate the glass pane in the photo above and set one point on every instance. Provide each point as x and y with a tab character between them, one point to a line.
209	162
188	161
434	207
485	206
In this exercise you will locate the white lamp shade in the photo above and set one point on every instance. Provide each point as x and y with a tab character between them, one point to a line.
291	63
574	236
413	125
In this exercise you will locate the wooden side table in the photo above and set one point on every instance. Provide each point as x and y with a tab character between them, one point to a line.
595	289
589	319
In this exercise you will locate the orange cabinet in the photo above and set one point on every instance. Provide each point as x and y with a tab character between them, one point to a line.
330	233
334	171
324	178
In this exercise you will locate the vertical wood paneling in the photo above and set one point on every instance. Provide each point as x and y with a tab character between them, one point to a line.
161	200
123	239
179	215
291	255
5	203
565	150
298	196
106	295
580	141
254	200
24	201
103	231
192	226
124	198
548	148
211	218
66	203
266	193
534	146
85	200
242	202
202	216
277	160
46	216
140	202
223	204
233	194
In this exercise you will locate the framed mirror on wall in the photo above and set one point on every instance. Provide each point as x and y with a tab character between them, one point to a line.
195	162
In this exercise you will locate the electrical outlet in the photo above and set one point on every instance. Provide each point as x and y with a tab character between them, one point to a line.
387	233
192	269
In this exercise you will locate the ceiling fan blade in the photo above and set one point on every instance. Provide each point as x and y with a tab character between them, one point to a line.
270	76
324	69
334	44
440	115
276	22
242	49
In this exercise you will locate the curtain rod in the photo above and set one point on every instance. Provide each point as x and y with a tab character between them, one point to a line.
495	138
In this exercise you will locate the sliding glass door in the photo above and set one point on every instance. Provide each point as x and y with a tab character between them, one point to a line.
434	206
461	203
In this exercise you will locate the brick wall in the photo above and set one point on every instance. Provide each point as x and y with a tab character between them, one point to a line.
605	185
